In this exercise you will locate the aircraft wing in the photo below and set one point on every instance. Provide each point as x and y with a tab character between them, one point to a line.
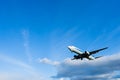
96	51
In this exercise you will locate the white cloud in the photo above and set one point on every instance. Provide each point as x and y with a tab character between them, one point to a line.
104	68
48	61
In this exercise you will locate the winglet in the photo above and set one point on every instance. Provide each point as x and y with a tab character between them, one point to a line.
105	47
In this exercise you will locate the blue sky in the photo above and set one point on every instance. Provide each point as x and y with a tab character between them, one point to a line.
35	29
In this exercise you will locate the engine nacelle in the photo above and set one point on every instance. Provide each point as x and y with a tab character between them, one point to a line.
76	57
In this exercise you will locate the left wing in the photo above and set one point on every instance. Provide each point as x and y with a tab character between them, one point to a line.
96	51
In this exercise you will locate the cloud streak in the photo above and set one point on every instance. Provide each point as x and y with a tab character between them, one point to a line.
25	34
14	61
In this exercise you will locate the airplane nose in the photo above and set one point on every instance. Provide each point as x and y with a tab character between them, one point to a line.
69	47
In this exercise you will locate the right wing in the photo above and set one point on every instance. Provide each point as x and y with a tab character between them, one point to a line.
96	51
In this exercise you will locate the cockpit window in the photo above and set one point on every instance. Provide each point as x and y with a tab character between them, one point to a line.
75	48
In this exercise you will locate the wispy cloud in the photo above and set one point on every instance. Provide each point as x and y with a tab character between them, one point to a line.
98	39
14	61
105	68
67	38
113	33
60	41
25	34
26	72
18	76
105	38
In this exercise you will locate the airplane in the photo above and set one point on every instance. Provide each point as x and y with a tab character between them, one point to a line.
86	54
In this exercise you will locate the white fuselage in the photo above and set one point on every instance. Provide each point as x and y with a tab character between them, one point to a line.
74	49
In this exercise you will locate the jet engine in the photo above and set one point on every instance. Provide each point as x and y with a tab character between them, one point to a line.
76	57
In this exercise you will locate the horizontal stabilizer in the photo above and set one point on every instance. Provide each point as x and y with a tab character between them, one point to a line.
98	57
